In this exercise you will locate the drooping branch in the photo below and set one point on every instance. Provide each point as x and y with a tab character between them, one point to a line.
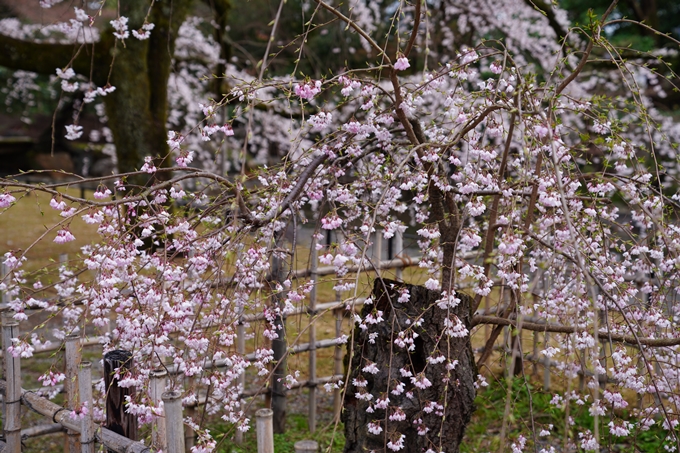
493	213
189	173
290	198
584	59
416	26
356	27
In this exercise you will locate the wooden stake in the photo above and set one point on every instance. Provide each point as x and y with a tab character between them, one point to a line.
377	252
72	356
172	403
12	400
265	431
189	433
337	366
156	389
117	420
4	298
312	342
85	390
546	364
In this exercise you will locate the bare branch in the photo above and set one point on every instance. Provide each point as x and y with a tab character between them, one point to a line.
416	25
352	24
559	328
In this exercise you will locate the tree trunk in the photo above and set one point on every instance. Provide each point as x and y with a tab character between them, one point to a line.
137	110
451	393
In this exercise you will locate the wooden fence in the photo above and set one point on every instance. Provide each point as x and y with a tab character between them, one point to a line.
169	432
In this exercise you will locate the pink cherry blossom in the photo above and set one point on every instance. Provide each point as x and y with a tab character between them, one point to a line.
308	90
6	200
401	64
64	236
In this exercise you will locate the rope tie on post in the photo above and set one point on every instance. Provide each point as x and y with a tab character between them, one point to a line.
54	416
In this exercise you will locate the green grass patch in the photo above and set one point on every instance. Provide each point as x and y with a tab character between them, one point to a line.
330	438
531	412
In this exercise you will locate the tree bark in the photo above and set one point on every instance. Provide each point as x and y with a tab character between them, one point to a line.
137	110
452	390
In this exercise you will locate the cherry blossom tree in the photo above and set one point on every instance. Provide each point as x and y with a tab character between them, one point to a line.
532	177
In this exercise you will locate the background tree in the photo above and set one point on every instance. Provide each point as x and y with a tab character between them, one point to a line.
138	69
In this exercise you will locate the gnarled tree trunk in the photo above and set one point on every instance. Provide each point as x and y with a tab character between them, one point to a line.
445	407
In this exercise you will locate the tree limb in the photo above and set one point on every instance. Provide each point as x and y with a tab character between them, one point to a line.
416	25
586	54
559	328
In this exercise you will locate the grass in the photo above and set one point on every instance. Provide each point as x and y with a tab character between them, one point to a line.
330	439
532	411
30	218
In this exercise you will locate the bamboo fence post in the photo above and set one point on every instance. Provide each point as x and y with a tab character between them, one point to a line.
546	364
279	346
191	272
241	349
337	361
398	252
377	252
12	399
72	357
85	391
307	446
312	341
337	354
117	420
487	308
4	271
534	297
157	380
172	404
189	433
265	431
545	284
